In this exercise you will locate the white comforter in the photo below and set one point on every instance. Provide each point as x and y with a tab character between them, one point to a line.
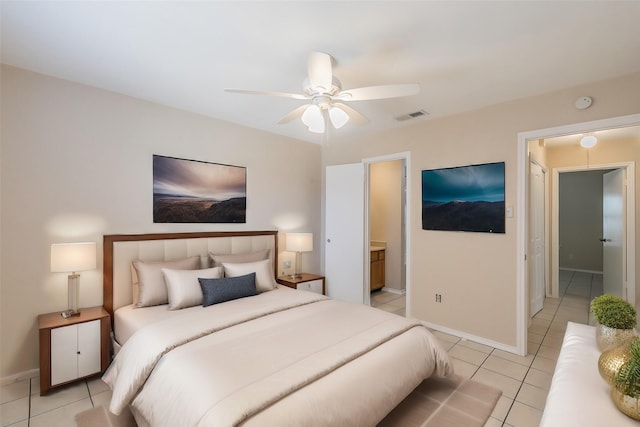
280	358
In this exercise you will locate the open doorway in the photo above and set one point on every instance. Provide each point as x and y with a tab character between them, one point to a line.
386	227
386	224
534	144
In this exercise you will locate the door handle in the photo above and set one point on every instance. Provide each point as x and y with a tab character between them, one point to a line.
605	240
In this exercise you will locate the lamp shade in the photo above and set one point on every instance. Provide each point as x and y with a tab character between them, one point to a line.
73	257
299	242
312	117
338	117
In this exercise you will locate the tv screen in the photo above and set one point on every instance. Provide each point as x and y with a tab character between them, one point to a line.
464	198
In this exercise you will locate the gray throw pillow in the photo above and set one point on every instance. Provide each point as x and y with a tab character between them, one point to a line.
215	291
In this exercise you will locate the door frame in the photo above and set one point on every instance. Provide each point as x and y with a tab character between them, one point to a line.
629	223
523	139
406	158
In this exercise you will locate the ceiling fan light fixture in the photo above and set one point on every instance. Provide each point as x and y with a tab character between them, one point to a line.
588	141
312	118
338	117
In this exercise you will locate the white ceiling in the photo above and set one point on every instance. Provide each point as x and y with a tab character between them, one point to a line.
465	55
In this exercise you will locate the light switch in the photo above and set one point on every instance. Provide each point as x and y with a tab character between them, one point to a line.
508	212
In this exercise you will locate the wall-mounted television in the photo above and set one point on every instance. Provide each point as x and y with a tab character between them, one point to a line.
464	198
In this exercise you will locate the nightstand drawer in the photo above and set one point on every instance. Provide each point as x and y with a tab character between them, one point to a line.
311	285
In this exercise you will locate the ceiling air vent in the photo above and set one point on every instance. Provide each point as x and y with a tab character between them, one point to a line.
413	115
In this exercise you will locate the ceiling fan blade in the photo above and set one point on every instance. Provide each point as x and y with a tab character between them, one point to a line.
293	114
378	92
268	93
354	116
320	72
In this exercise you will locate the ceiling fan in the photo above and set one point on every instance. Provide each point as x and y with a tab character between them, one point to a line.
327	97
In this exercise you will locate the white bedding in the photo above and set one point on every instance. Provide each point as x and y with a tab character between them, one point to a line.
129	319
280	358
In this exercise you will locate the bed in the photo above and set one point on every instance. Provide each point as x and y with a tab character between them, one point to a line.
275	356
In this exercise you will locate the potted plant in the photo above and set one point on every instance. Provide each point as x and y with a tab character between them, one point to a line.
616	320
625	391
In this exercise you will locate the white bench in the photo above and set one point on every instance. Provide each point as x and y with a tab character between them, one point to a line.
578	395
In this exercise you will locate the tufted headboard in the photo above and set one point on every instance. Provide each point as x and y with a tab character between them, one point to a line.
121	249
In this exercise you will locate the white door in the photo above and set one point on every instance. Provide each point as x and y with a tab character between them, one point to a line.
64	354
88	348
613	233
344	246
537	276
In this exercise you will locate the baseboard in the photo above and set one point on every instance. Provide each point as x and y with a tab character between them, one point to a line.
394	291
578	270
33	373
469	337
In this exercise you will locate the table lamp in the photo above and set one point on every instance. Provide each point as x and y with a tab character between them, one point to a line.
298	243
72	258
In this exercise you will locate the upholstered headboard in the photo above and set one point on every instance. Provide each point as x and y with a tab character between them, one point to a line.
121	249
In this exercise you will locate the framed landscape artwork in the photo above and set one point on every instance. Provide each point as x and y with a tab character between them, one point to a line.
464	198
191	191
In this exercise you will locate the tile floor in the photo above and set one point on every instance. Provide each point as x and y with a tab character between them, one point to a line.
524	381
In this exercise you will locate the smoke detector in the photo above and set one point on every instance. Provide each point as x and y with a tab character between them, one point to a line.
584	102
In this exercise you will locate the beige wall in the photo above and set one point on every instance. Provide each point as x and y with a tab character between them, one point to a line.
476	272
385	216
76	164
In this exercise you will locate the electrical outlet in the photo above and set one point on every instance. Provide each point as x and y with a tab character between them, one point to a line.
438	298
286	263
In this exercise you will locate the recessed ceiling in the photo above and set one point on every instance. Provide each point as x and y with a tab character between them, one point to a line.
465	55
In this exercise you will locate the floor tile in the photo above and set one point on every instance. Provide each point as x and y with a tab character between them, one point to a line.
476	346
522	360
446	337
522	415
502	408
508	385
62	416
492	422
544	364
538	378
506	367
14	391
102	399
14	411
96	386
534	337
549	352
58	398
464	369
468	354
532	396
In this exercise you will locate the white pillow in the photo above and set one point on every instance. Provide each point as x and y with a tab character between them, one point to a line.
148	281
218	259
184	288
265	280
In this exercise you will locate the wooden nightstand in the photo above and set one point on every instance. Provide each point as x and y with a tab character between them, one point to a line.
307	282
73	348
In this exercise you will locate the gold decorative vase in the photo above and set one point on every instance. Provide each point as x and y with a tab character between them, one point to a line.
628	405
610	362
609	338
